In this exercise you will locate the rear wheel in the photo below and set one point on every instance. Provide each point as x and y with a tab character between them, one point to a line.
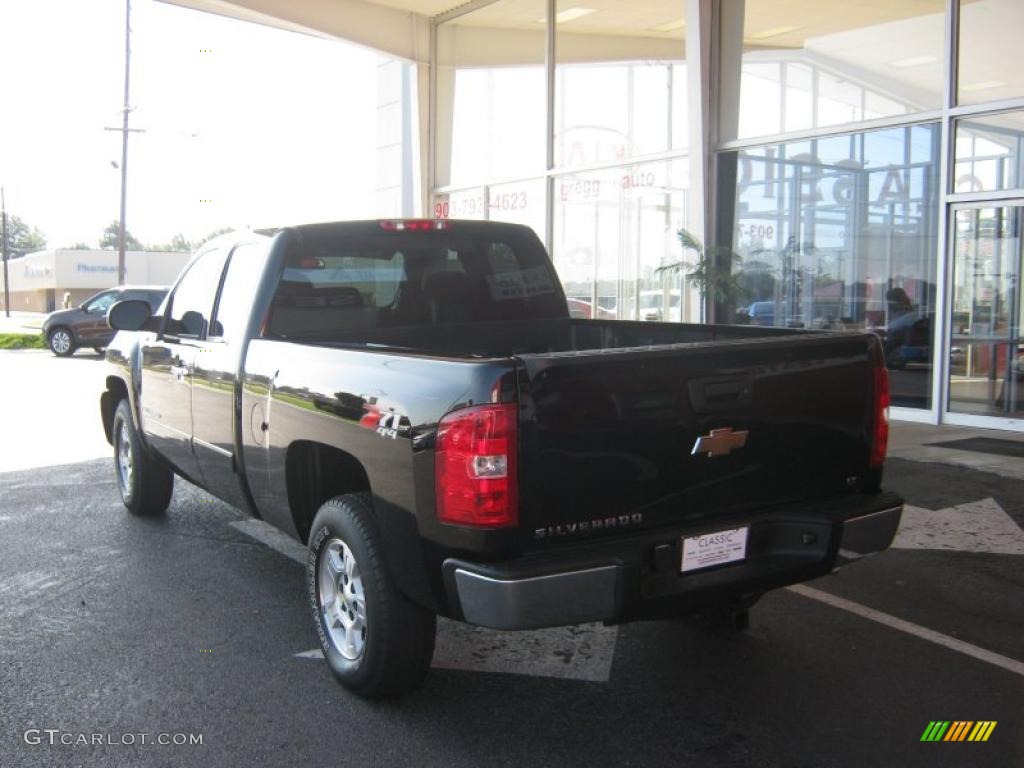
62	342
375	640
146	483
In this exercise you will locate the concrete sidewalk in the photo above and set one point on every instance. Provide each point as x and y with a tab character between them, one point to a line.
21	322
916	442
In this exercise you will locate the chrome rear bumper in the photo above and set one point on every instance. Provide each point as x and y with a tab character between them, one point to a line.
628	581
868	534
570	597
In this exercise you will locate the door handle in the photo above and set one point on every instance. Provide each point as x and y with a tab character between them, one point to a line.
720	393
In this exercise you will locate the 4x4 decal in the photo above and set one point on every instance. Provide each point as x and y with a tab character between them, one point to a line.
387	424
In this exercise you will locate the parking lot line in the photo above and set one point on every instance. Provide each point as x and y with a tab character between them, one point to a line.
582	652
273	538
605	645
952	643
978	526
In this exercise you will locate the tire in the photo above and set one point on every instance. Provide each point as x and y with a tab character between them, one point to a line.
98	350
377	642
61	341
146	483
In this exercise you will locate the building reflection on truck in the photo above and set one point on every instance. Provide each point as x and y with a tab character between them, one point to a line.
356	409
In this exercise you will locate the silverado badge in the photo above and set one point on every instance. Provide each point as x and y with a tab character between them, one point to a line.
720	442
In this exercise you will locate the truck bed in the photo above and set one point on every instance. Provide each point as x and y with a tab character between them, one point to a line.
611	412
488	340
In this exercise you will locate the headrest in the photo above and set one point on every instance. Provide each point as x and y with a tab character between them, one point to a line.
447	284
301	294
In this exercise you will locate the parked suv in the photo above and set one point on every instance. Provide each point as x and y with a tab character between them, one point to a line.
86	325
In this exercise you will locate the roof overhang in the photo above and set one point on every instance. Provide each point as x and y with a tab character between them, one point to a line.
403	34
491	35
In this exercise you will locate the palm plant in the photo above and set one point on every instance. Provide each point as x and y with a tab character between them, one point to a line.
710	270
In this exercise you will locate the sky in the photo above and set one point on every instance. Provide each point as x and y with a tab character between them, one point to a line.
270	127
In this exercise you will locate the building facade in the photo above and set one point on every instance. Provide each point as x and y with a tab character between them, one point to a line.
813	163
849	166
38	281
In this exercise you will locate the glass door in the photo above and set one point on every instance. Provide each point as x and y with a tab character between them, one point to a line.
986	351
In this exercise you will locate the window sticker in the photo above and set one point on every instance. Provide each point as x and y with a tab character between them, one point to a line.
520	284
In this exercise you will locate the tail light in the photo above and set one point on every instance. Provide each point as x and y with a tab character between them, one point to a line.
475	466
880	423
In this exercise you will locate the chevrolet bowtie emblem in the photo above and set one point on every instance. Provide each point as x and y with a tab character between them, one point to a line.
720	442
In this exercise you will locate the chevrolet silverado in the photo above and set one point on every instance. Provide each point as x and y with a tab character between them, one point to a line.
413	401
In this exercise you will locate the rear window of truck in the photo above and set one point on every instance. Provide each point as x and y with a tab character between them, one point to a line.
401	279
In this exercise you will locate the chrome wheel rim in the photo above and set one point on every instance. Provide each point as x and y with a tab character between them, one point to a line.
124	459
342	600
60	342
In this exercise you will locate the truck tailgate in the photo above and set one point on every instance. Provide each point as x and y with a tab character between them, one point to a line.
607	437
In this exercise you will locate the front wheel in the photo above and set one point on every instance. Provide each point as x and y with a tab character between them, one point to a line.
375	640
62	343
146	484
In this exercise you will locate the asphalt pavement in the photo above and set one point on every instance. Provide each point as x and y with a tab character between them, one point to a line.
196	625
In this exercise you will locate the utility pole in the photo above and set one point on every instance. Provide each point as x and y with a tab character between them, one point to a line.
7	283
124	140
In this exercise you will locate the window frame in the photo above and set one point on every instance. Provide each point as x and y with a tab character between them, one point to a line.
177	338
220	287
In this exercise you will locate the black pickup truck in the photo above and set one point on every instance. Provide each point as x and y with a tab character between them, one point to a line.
412	399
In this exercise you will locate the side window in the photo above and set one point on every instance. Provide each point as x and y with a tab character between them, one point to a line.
134	296
155	299
244	272
102	303
191	304
343	290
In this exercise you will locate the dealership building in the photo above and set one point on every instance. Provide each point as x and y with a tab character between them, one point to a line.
851	165
38	281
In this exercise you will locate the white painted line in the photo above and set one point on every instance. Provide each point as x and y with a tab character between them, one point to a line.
267	534
981	526
582	652
990	657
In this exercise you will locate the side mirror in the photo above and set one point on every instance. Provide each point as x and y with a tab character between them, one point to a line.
193	323
130	315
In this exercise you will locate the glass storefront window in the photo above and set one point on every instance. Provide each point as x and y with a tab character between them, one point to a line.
462	204
614	232
841	233
986	364
521	202
989	55
620	83
989	152
490	94
801	64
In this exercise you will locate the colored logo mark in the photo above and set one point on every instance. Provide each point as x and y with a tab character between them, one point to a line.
958	730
